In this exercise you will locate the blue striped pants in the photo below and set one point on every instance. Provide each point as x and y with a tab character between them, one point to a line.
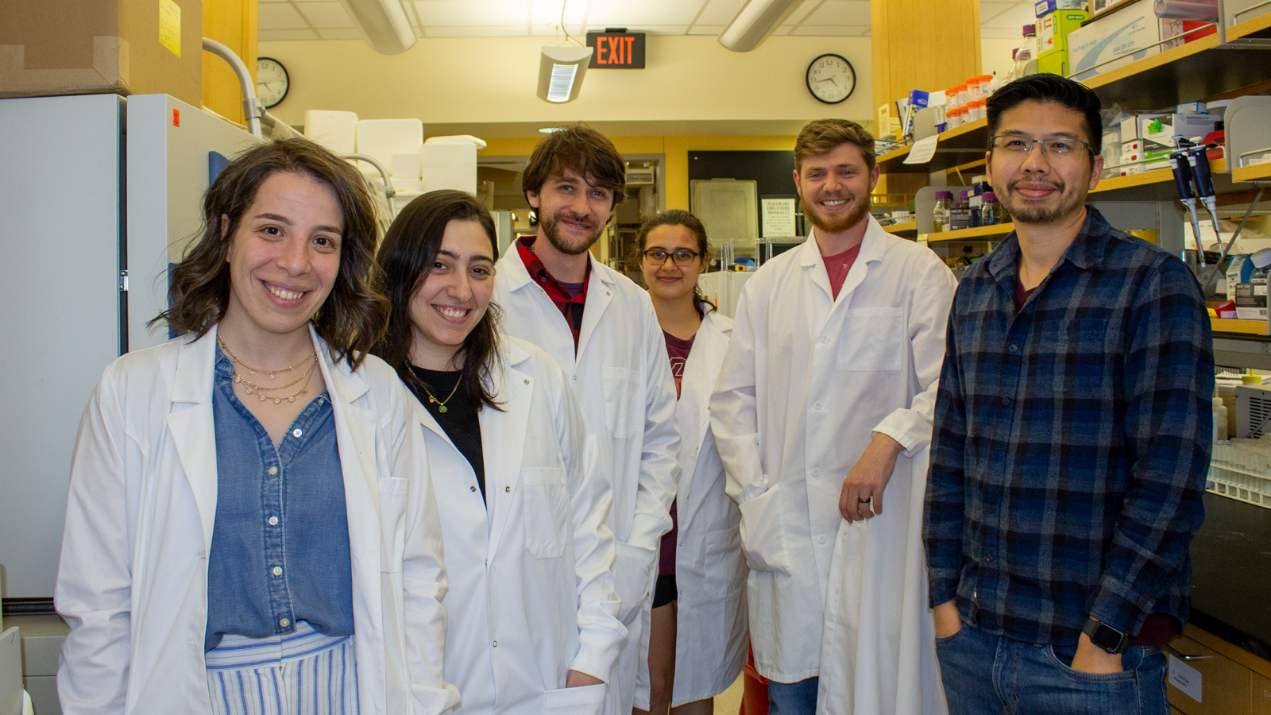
302	672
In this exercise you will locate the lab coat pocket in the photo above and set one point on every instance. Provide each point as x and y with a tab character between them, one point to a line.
545	510
763	532
584	700
875	340
621	388
394	492
632	578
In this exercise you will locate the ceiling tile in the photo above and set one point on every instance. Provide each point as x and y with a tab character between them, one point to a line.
815	30
990	9
782	31
840	12
705	29
1015	17
548	12
807	7
267	1
472	13
624	13
277	35
662	29
479	31
553	30
280	17
720	12
340	33
325	14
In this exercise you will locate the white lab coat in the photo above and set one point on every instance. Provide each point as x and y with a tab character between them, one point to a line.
622	380
710	572
806	382
132	582
530	567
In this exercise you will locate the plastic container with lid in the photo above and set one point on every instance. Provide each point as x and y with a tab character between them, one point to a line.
960	215
940	215
1025	53
973	89
990	210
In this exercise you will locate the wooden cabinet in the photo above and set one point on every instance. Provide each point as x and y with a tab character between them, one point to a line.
1261	694
1226	686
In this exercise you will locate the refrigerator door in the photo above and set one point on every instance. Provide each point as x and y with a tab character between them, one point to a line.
169	144
60	225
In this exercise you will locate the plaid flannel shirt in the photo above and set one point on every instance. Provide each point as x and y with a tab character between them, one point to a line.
1071	441
571	306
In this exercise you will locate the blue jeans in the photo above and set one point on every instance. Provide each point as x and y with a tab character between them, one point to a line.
792	698
994	674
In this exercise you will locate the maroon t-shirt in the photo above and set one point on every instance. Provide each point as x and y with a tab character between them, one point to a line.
838	265
678	351
1021	294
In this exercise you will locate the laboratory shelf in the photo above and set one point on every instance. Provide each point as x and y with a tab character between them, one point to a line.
979	233
1258	27
907	230
1242	327
954	148
1157	185
1193	72
1257	172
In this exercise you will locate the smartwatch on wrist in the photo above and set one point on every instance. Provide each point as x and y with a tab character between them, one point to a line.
1105	636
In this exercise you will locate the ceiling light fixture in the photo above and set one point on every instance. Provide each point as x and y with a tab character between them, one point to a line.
560	72
383	24
753	23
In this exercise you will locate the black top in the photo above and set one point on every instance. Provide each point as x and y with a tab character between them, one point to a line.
460	419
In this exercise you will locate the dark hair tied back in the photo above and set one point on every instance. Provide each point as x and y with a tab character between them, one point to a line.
679	217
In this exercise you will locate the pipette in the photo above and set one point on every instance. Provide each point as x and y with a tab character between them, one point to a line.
1183	182
1198	157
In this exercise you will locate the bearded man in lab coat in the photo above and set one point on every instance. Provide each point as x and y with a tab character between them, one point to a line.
602	330
822	413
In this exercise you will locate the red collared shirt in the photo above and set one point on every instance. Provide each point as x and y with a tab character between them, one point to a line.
571	306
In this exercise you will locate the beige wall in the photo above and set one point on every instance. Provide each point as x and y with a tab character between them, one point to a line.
456	81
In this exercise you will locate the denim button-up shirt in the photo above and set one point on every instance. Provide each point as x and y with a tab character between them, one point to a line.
1071	441
280	542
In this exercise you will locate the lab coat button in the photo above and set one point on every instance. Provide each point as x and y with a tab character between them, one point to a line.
507	489
816	472
820	539
273	471
825	340
277	570
472	489
496	644
817	405
297	432
273	521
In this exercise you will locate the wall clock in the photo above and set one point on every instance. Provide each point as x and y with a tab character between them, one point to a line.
272	81
831	78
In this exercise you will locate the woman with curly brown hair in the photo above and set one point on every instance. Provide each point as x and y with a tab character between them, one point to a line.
251	526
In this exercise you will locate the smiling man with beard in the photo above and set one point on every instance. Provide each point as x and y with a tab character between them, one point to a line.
1072	437
823	410
602	330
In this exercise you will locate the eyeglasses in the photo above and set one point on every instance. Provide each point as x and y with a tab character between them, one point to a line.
1053	148
683	257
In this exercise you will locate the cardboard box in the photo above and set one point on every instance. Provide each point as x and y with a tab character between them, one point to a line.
1119	38
1158	130
1098	6
1053	30
1251	301
1053	62
52	47
1045	7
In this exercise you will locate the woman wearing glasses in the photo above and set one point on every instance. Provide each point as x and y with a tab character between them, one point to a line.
697	642
533	624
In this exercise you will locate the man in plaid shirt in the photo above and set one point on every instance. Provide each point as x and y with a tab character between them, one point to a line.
1072	437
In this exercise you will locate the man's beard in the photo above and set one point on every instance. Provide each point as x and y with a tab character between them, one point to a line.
552	232
857	215
1037	215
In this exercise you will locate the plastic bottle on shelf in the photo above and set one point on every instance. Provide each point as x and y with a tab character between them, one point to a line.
990	210
940	215
1025	53
960	216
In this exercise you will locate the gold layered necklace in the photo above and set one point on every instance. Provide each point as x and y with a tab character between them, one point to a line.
259	390
432	399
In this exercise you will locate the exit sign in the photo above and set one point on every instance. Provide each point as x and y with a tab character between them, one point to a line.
616	50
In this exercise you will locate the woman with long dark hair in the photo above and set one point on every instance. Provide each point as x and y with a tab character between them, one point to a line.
532	611
697	642
251	526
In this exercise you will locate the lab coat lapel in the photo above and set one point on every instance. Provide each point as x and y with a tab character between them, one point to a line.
192	424
873	245
599	296
693	409
355	436
503	440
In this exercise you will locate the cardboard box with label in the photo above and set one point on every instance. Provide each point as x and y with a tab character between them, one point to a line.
1119	38
52	47
1053	29
1251	301
1045	7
